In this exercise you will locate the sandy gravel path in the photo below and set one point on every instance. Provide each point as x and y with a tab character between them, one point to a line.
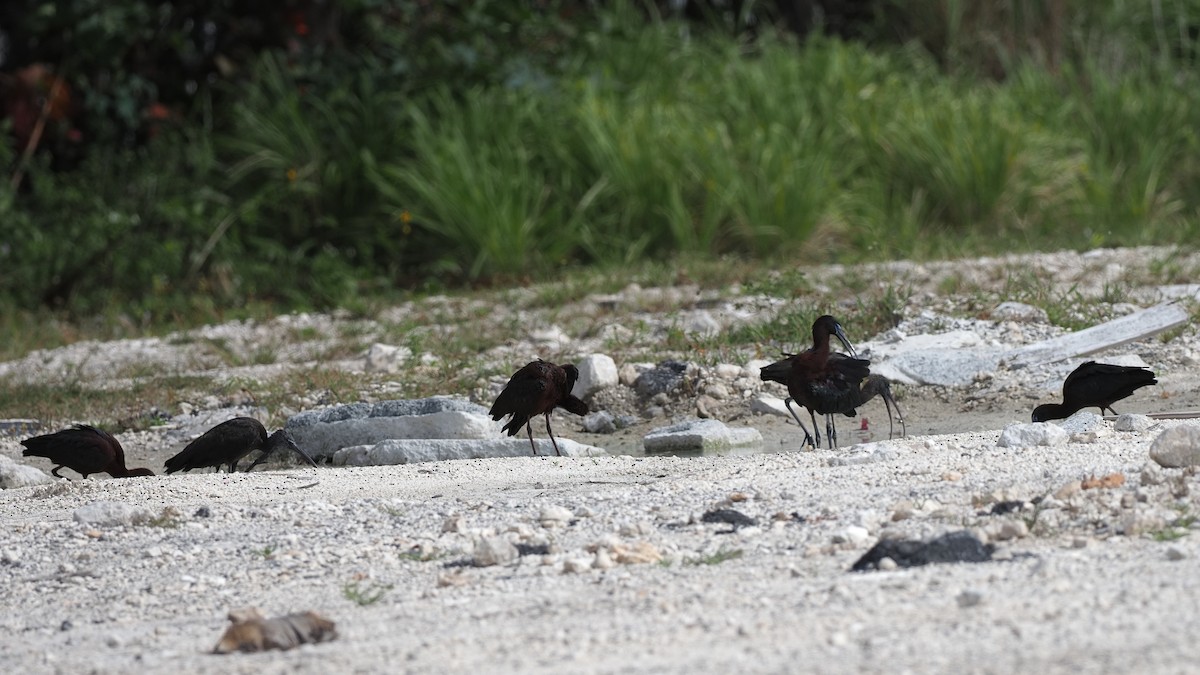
1101	582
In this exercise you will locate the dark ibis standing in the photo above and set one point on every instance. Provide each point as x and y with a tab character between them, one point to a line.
537	389
877	385
84	449
229	442
819	382
1095	384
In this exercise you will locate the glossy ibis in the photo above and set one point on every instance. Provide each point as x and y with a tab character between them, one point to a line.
817	381
228	443
877	385
537	389
84	449
1095	384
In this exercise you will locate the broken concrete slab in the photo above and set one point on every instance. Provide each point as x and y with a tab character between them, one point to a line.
413	450
700	435
323	432
949	359
949	367
954	358
1107	335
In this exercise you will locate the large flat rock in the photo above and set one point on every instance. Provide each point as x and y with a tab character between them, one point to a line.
323	432
408	451
700	435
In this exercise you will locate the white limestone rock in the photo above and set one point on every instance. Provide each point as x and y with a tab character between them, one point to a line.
15	475
1133	422
1032	435
596	372
1082	421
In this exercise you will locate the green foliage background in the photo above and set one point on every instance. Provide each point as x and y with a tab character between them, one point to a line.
317	153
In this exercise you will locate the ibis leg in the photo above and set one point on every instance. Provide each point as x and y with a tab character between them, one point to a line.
808	439
529	430
556	451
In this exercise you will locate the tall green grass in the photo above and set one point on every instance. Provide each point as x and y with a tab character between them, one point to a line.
823	149
974	127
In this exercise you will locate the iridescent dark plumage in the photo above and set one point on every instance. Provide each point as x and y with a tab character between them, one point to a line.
1095	384
84	449
228	443
537	389
818	382
877	385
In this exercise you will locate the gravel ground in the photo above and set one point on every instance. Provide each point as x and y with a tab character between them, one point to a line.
614	568
1090	588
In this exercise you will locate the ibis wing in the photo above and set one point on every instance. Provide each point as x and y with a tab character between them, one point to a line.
226	442
778	371
85	449
519	397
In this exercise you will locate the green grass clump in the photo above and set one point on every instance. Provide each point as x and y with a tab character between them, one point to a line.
365	594
723	555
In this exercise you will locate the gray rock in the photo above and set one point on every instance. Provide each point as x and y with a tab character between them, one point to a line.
494	551
1177	447
626	421
628	374
413	450
111	514
1132	422
728	371
596	372
14	475
969	598
1174	553
323	432
1019	311
716	390
599	422
703	435
661	379
383	358
1031	435
766	404
705	405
